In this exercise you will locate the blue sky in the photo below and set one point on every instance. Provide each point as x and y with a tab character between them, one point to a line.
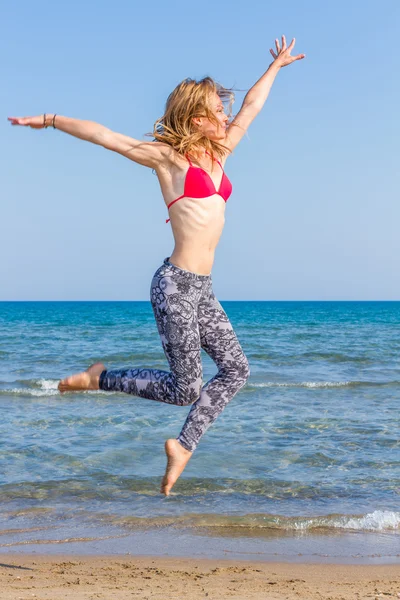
314	213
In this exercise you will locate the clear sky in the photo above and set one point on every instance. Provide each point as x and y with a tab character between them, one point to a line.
314	213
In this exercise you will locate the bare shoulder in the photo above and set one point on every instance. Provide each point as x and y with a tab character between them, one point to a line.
152	154
171	161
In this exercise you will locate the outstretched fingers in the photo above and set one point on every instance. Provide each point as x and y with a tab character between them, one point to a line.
283	53
284	47
290	48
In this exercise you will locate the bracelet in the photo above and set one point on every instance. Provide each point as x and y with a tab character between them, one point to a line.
52	122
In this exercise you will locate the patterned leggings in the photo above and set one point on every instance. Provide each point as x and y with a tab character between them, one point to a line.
189	317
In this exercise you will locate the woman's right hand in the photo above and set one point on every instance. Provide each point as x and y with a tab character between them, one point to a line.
282	56
34	122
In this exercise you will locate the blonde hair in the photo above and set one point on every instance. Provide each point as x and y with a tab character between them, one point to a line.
191	99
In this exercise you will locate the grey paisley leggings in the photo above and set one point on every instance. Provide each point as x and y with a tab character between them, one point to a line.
189	317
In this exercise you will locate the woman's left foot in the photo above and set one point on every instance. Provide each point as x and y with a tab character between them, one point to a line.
177	459
87	380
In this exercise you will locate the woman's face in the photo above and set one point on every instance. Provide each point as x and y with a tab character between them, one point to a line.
212	131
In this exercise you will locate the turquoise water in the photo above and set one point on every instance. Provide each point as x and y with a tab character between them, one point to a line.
310	445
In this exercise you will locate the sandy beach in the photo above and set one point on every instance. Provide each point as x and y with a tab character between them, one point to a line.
24	577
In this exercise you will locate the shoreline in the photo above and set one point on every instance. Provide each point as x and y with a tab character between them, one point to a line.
80	538
119	577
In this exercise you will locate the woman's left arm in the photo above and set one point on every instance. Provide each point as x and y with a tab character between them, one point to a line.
257	95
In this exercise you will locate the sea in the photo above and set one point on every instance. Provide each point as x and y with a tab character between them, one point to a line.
303	464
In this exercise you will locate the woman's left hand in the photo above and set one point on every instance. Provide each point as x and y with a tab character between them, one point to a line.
282	55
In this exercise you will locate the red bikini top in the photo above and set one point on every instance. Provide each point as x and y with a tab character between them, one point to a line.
198	184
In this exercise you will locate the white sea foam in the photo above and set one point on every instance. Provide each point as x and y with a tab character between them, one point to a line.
44	387
48	385
379	520
308	384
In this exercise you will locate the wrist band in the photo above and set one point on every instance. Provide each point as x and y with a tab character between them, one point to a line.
44	120
54	118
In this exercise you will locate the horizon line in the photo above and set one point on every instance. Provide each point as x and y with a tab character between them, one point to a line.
247	300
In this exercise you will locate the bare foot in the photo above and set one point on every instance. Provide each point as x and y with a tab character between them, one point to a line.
87	380
177	459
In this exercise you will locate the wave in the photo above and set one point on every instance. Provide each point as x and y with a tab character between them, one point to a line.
323	384
39	388
376	521
48	387
226	524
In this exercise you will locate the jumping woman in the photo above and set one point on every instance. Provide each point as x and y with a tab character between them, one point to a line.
191	144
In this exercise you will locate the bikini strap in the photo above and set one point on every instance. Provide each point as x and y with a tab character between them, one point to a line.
216	159
190	162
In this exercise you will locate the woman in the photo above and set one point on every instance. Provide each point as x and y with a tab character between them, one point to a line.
192	142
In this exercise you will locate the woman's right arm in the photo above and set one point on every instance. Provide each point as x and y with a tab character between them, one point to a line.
149	154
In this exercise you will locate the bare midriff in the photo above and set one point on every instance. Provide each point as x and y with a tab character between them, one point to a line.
197	224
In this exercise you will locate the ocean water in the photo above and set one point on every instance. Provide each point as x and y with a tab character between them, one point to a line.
308	450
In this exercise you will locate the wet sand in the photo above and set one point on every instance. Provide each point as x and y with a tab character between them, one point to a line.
40	577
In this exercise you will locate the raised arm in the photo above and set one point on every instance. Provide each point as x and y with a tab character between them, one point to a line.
257	95
149	154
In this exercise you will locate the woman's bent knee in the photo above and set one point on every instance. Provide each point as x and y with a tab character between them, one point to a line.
187	393
237	374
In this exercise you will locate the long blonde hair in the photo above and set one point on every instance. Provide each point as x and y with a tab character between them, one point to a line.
191	99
